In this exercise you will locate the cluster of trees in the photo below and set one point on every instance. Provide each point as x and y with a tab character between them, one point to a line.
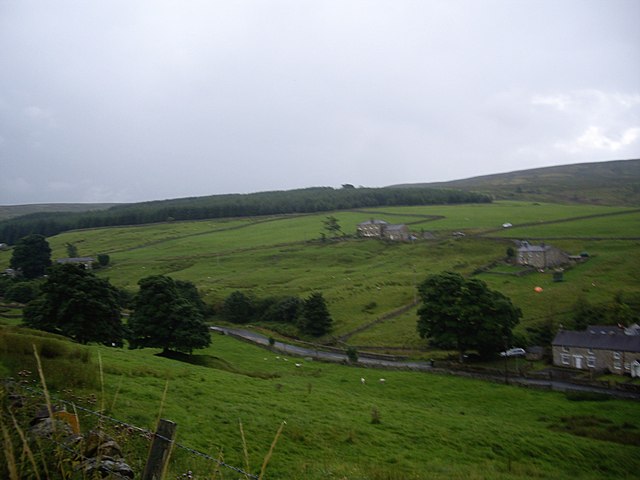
457	313
617	311
620	310
311	315
309	200
31	259
73	302
77	304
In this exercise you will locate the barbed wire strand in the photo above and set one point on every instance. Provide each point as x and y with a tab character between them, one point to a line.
219	462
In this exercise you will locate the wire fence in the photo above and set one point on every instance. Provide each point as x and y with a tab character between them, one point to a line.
124	448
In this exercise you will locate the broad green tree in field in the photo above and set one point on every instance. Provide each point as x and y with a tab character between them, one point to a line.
315	319
465	314
165	317
31	256
77	304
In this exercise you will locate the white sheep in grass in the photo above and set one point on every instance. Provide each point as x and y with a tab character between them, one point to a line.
362	381
382	380
298	364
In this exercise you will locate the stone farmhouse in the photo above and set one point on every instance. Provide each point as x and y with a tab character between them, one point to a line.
372	228
386	231
541	256
599	348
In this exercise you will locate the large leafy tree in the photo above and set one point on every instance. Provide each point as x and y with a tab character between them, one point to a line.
31	256
165	317
77	304
315	319
465	314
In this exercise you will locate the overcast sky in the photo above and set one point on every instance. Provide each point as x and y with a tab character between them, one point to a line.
121	101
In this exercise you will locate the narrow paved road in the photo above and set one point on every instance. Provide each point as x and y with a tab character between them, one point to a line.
370	361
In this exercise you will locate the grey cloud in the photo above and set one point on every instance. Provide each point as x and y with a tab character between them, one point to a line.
137	100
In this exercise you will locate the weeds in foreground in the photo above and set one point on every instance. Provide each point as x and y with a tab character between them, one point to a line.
376	418
267	458
51	457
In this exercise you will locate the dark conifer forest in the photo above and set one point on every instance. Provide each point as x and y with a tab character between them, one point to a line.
308	200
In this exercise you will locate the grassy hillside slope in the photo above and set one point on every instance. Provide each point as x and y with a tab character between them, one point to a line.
429	426
12	211
284	256
606	183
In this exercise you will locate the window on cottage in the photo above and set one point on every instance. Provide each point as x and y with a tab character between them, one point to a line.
565	359
590	351
565	349
591	361
617	364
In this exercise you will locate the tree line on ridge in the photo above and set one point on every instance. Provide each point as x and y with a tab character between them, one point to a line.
308	200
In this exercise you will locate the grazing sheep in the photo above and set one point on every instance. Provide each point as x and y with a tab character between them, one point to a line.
298	364
382	380
362	381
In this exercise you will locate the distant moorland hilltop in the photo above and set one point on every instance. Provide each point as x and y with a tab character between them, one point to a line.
12	211
602	183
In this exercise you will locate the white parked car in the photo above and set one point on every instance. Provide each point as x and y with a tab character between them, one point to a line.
513	352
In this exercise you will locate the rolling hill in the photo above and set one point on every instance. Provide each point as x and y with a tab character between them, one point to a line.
604	183
12	211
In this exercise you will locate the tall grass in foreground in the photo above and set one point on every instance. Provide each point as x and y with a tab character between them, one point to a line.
431	426
54	457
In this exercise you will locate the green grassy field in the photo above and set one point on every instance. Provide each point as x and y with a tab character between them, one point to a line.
431	426
283	256
624	225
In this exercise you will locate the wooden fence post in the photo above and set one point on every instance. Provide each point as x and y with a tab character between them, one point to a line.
160	450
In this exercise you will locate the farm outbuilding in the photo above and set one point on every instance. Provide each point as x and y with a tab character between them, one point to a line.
541	256
381	229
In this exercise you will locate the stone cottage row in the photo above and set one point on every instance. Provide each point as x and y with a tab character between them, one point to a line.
599	348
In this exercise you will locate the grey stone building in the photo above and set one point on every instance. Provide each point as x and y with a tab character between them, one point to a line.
541	256
599	348
371	228
381	229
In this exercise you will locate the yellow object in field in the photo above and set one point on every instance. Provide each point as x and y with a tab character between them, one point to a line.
71	419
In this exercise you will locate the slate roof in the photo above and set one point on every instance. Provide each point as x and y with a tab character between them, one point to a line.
598	341
606	329
391	228
373	222
534	248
